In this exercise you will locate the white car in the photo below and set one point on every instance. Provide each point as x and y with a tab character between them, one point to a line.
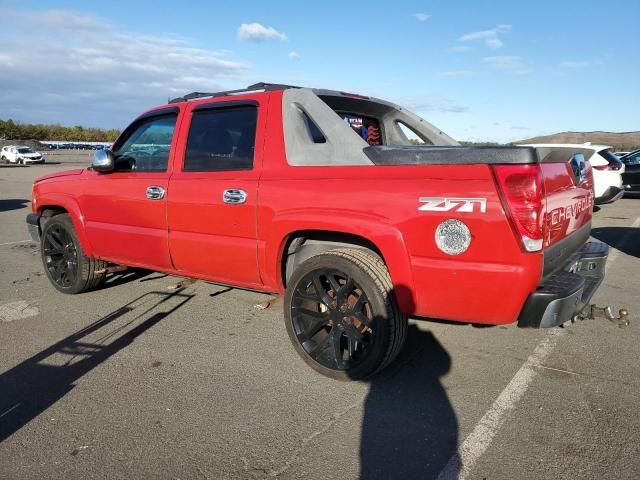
19	154
607	170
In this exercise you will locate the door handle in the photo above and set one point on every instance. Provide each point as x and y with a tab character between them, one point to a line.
234	196
155	193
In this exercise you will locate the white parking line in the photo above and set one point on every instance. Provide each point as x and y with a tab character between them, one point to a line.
478	441
461	463
15	243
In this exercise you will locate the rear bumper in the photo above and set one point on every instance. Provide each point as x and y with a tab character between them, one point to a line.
33	225
565	293
610	195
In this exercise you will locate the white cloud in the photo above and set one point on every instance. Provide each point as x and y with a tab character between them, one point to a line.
421	17
579	64
505	62
460	49
294	55
491	38
59	21
431	103
256	32
508	63
95	74
456	73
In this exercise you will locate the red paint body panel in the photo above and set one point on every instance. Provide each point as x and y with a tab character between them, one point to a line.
206	236
122	224
194	233
561	218
48	195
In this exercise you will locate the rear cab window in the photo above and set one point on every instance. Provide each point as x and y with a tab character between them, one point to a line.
367	127
376	122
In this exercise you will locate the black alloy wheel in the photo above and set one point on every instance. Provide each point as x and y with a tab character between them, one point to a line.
60	256
332	319
68	267
342	316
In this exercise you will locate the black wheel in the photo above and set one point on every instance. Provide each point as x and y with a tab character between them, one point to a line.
4	160
342	316
67	266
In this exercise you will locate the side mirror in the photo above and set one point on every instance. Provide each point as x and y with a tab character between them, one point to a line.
103	161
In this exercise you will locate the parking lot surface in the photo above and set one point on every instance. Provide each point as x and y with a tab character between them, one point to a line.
137	381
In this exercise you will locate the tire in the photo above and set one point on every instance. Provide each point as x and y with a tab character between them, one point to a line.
342	316
67	267
4	160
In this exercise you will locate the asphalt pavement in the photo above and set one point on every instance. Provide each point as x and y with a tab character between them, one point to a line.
137	381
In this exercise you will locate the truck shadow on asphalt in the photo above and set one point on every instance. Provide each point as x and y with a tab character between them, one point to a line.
625	239
409	427
129	275
33	386
12	204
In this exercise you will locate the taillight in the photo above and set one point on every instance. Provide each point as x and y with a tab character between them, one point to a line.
522	194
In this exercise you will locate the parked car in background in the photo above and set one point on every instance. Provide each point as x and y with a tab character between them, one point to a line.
607	170
20	155
620	154
631	175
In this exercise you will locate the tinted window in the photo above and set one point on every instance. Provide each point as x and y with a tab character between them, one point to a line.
221	139
632	159
147	147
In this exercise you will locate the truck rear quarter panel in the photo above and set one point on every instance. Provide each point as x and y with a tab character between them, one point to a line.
486	284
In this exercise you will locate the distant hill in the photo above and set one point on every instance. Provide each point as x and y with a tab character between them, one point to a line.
619	141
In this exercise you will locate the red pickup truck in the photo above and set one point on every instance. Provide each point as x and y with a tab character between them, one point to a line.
358	211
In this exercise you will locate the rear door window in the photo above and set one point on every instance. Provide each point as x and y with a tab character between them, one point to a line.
221	139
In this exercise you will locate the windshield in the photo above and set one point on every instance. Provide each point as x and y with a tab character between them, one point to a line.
25	150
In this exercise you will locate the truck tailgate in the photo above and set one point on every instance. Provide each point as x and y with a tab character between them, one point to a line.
562	186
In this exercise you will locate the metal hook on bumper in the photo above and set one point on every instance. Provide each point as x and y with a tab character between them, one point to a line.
593	312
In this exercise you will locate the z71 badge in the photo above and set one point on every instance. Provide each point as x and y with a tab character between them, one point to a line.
442	204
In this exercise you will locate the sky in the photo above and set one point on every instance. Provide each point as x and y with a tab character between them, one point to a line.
480	71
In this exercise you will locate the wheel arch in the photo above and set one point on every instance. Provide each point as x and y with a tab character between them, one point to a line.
298	244
304	244
58	204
